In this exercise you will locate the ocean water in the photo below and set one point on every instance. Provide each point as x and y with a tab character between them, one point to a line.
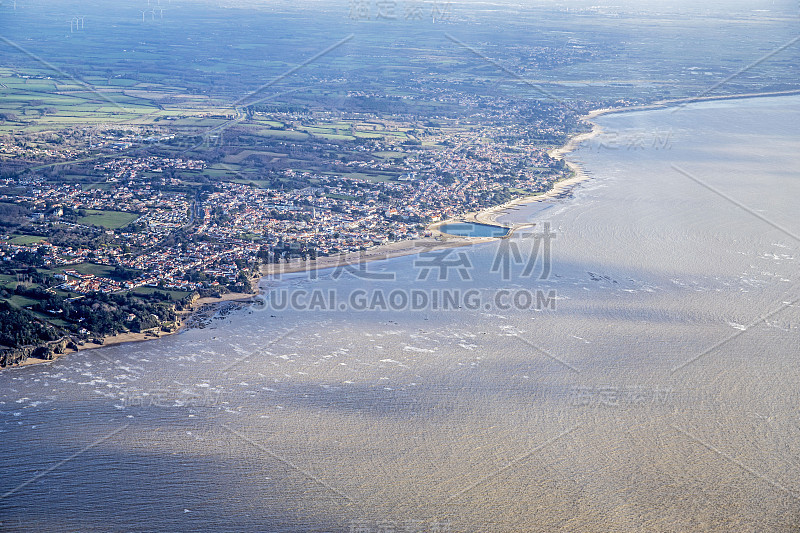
629	364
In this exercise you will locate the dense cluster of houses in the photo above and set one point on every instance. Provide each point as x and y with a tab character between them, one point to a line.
237	224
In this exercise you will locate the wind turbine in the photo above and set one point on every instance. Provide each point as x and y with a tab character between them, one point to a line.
143	12
153	12
71	30
81	19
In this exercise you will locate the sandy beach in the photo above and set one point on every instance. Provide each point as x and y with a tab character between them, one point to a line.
560	188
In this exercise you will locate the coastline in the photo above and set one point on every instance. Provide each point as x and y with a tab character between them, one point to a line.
489	216
184	317
437	241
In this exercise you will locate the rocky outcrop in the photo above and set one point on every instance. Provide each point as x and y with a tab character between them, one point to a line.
16	356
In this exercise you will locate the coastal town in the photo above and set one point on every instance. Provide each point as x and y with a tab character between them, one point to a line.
139	228
105	226
147	217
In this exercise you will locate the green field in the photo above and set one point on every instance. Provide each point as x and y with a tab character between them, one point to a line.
8	281
372	176
147	291
58	322
21	301
25	240
86	268
282	134
107	219
260	184
390	155
244	154
334	137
